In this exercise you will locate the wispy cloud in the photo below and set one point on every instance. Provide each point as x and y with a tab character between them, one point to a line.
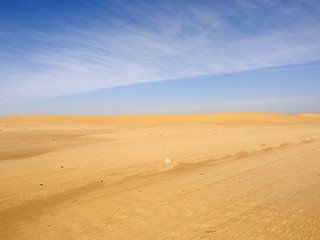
134	43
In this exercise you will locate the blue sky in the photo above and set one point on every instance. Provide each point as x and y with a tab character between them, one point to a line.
159	57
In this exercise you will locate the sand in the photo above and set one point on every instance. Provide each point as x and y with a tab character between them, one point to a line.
217	176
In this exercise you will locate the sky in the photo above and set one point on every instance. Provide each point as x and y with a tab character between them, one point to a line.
104	58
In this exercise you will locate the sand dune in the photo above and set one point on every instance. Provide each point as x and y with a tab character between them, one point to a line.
216	176
220	118
310	115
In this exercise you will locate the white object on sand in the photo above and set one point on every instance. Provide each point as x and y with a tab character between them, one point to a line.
167	160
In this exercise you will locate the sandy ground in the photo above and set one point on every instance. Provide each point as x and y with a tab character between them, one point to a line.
220	176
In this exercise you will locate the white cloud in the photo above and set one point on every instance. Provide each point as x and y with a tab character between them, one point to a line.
171	44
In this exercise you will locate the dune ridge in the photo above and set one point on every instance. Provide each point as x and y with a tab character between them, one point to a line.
218	118
311	115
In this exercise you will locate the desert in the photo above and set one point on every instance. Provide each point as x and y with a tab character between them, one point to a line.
215	176
160	120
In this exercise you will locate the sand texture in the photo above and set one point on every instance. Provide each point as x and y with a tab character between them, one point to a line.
217	176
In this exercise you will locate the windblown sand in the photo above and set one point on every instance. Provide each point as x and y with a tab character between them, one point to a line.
218	176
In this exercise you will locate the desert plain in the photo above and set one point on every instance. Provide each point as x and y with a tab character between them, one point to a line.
215	176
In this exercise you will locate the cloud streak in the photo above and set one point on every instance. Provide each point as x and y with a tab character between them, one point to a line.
135	43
